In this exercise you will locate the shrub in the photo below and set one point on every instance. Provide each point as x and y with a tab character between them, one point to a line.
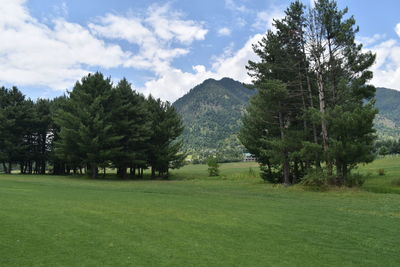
355	180
381	172
213	166
272	177
316	180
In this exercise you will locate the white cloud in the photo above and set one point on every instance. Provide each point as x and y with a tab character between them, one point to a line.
224	31
370	40
36	54
174	83
265	19
154	34
199	68
57	55
387	67
232	5
397	29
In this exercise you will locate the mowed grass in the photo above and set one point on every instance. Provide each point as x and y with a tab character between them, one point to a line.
195	220
387	183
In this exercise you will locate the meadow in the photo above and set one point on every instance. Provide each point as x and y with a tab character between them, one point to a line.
194	220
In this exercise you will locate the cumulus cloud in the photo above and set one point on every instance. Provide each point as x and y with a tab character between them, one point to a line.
232	5
397	29
58	54
387	67
174	83
153	34
224	31
265	19
370	40
35	54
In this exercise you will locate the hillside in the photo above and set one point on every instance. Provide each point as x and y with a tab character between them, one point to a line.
387	122
212	112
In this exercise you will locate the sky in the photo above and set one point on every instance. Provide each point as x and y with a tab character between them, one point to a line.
163	48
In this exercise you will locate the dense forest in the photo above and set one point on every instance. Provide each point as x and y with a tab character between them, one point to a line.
314	110
202	139
211	114
95	126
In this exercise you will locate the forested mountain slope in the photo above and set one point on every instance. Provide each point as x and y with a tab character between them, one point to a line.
387	122
212	112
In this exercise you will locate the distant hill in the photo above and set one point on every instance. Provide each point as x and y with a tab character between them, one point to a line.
212	112
387	122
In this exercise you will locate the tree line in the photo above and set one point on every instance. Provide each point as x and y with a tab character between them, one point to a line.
314	109
94	127
387	147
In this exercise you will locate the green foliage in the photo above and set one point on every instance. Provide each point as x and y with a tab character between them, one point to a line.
388	121
96	126
131	121
356	180
86	135
313	103
317	180
213	166
211	115
164	148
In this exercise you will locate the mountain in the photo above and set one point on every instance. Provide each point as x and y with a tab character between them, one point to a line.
212	112
387	121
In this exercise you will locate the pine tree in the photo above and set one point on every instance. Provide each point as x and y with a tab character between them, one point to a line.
164	150
86	135
310	61
131	122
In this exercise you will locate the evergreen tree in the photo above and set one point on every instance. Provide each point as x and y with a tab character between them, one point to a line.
16	114
130	121
164	150
86	135
307	60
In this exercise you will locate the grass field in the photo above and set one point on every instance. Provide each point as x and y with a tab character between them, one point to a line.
194	220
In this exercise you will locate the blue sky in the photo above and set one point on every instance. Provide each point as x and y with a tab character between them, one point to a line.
162	47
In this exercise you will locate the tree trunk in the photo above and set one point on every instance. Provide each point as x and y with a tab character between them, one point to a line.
5	168
286	167
94	171
332	72
324	127
122	172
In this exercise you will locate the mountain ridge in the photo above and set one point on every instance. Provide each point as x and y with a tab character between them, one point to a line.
212	110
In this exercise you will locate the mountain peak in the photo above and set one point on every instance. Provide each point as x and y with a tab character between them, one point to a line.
211	112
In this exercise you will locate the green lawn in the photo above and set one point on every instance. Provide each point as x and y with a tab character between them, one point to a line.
234	220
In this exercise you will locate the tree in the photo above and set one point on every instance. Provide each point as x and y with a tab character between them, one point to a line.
16	116
310	59
164	150
85	120
131	121
213	166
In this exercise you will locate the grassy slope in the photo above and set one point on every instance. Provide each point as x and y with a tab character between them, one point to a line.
383	184
236	220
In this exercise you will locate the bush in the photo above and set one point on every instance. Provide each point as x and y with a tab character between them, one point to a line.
355	180
273	177
316	180
213	166
381	172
